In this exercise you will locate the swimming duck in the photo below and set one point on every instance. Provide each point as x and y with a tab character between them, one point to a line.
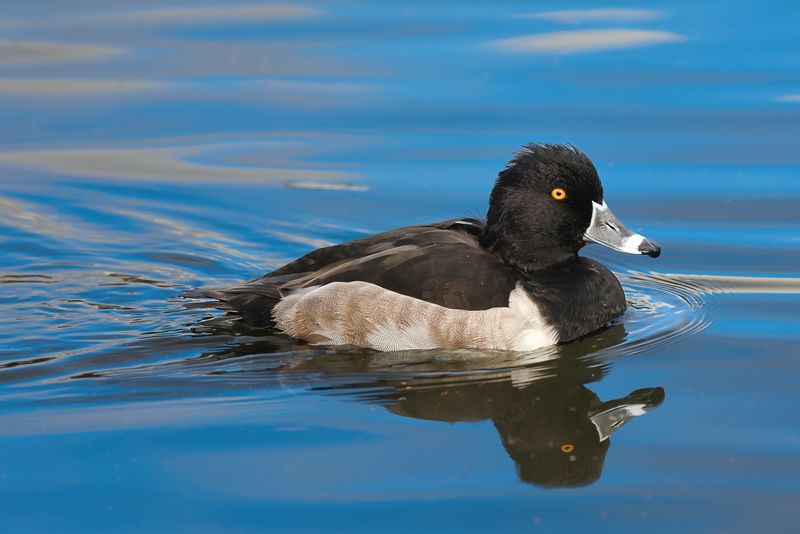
512	282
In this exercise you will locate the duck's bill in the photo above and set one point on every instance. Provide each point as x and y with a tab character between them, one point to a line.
605	229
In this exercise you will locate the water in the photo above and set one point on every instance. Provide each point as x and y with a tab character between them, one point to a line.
147	149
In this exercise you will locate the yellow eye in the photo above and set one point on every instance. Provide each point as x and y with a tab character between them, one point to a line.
558	193
567	448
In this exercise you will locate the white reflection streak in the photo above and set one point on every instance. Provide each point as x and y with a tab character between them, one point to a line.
291	92
577	16
39	52
283	92
207	14
154	164
299	238
743	285
574	42
36	220
328	186
23	216
174	413
194	235
35	87
789	98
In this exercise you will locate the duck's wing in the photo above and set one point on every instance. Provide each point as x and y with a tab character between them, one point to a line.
422	234
440	266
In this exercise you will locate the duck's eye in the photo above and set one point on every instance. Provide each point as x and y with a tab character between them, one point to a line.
558	193
567	448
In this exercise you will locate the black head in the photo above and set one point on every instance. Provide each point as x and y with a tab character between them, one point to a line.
541	206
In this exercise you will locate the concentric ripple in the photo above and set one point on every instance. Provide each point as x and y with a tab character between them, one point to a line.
661	310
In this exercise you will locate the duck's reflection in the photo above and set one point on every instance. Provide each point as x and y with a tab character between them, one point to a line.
556	431
555	428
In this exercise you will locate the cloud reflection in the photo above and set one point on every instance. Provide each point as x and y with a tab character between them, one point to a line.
160	164
199	238
26	217
575	42
174	15
577	16
293	237
41	52
721	284
209	14
36	87
271	92
312	94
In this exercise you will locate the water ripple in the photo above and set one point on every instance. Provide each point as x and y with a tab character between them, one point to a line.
662	310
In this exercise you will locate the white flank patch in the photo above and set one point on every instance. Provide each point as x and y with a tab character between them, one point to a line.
393	336
366	315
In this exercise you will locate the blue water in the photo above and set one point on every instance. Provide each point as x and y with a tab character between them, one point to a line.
148	148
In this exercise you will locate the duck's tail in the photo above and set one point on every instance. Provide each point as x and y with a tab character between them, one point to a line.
252	301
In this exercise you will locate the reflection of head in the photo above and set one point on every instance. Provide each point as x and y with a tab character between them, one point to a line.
552	440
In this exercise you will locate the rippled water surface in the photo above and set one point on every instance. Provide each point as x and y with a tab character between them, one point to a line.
151	147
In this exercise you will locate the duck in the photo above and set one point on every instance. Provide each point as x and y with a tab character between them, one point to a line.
514	281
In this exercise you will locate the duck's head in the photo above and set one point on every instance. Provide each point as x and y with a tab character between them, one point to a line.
547	204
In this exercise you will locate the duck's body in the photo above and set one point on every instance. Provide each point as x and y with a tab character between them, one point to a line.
512	283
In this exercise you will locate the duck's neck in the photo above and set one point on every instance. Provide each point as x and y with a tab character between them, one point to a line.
523	257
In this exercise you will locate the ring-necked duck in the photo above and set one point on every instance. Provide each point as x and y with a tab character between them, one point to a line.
512	282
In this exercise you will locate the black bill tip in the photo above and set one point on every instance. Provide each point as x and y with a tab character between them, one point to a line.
649	248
